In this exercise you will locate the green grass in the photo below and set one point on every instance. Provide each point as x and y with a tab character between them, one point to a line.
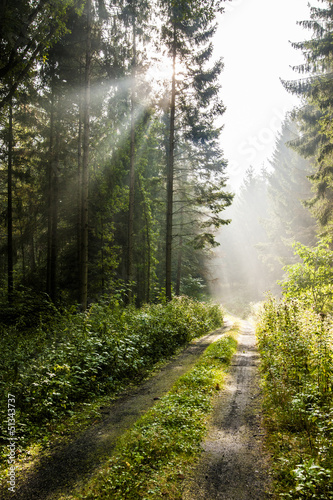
153	458
295	345
69	364
77	357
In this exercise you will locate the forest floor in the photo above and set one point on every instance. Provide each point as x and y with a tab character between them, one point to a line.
234	464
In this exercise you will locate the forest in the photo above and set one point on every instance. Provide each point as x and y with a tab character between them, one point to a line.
112	183
122	241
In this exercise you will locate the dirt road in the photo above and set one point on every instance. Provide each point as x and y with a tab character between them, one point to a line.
234	465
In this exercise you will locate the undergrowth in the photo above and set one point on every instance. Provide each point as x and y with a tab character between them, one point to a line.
296	348
154	457
71	358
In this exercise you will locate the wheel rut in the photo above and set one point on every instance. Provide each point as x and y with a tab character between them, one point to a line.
234	464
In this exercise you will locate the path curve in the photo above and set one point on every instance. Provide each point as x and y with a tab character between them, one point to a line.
234	464
57	474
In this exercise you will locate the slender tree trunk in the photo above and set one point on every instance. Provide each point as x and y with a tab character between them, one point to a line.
170	168
50	188
85	167
52	204
148	240
32	251
79	189
131	176
148	261
23	255
10	274
102	256
180	255
54	223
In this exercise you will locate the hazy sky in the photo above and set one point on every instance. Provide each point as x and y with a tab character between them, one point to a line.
253	38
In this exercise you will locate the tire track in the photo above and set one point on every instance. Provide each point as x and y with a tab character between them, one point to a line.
234	465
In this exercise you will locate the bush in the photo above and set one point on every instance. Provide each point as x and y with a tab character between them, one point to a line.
297	368
312	280
79	355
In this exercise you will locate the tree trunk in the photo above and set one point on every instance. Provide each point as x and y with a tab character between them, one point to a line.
170	167
52	203
79	190
131	176
50	188
54	224
23	254
32	249
147	279
10	272
148	261
85	167
180	254
102	257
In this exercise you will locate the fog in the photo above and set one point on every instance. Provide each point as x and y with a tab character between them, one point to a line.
267	217
239	276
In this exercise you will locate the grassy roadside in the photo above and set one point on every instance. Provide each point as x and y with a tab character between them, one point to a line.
68	365
295	346
153	458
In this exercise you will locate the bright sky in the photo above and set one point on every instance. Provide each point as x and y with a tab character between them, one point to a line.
253	39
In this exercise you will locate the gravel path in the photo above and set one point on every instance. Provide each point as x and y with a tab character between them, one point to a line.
57	474
234	465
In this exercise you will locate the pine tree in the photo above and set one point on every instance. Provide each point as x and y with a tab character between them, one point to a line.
316	117
288	190
27	31
188	26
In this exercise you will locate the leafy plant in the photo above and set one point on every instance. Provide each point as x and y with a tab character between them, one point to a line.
297	375
78	356
311	481
311	280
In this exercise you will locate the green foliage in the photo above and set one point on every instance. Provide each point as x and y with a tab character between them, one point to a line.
297	369
152	458
42	74
315	115
77	356
312	481
312	280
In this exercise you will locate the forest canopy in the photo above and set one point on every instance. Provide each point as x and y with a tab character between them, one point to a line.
112	175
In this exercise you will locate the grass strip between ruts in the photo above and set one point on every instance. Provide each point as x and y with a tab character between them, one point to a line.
154	457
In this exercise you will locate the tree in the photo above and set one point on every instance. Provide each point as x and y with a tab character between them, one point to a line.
10	270
27	31
83	264
315	117
311	280
87	120
135	14
288	190
188	26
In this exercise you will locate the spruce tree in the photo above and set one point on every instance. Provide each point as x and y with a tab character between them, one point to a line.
289	188
316	90
187	30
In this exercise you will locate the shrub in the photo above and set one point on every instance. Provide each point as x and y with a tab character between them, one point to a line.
312	280
297	370
79	355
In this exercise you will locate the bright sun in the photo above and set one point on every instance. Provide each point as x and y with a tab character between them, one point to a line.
160	69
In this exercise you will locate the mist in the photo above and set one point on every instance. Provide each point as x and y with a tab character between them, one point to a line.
267	216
